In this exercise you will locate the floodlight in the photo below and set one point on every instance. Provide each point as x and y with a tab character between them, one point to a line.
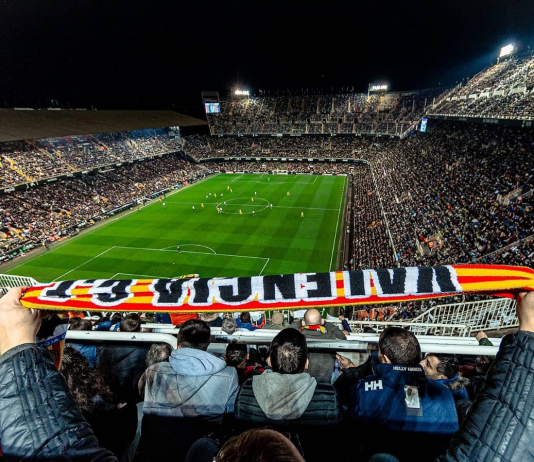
505	51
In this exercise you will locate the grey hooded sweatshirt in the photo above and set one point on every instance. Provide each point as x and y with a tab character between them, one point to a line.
193	383
283	396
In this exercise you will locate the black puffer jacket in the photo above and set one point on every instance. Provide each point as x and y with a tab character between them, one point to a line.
38	418
500	424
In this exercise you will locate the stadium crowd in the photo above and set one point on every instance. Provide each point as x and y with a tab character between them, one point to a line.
28	161
504	90
298	113
144	402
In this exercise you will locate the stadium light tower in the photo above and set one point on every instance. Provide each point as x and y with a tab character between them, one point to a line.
507	50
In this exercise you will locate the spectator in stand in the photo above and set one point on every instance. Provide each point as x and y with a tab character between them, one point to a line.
237	356
163	318
201	383
397	407
113	423
213	319
277	322
228	326
158	353
244	321
314	327
253	445
288	378
86	349
445	369
124	363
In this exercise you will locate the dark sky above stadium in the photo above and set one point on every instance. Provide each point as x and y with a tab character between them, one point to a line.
161	54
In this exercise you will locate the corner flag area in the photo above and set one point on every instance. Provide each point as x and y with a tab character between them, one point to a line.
232	242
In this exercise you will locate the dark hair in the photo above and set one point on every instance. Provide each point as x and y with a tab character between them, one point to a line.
400	346
235	354
158	353
259	445
245	317
131	323
448	365
117	317
289	352
195	333
80	324
228	326
88	386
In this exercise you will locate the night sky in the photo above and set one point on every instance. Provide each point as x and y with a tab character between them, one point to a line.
161	54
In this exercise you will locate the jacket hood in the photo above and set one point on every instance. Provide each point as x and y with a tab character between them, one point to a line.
283	396
175	383
195	363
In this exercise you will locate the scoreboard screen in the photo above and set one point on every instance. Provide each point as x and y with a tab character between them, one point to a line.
212	108
423	124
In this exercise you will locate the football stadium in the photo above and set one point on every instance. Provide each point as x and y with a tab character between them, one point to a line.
307	262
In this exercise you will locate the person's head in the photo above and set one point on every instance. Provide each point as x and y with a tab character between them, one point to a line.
85	383
438	366
158	353
80	324
131	323
245	317
399	346
116	318
259	445
289	352
194	334
236	355
312	317
208	317
228	326
278	318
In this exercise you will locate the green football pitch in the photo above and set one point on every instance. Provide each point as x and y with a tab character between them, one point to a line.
235	242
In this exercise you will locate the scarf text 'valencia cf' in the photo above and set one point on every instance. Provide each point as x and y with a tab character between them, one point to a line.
302	290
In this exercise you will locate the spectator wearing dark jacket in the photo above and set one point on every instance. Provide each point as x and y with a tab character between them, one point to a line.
213	319
124	363
445	370
277	322
244	321
113	423
399	400
314	327
499	424
86	349
39	418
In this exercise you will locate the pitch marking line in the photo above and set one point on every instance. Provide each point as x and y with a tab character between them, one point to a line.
189	245
236	178
142	275
79	266
251	205
337	225
189	251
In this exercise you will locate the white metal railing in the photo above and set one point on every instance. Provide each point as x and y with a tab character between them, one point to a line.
7	281
479	315
426	327
103	336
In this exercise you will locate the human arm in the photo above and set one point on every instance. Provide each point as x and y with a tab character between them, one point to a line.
39	418
499	424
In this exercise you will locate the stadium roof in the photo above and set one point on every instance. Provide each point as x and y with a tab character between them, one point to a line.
35	124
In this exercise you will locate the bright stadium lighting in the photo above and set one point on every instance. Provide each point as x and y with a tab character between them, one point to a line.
242	92
507	50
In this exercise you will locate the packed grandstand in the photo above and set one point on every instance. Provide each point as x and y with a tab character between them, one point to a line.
461	193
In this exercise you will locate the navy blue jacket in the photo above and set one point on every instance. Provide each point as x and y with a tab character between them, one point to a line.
398	407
